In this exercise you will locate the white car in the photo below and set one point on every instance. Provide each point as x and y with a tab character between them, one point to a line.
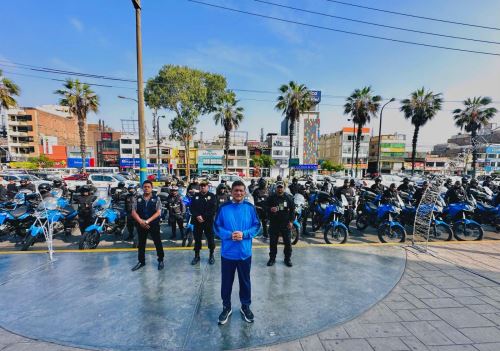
110	180
215	179
18	176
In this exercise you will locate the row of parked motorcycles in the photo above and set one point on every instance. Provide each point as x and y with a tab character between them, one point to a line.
333	215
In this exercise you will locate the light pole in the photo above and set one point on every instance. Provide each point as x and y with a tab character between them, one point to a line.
158	144
352	149
140	93
380	134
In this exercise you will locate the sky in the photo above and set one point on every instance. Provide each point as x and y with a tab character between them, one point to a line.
253	53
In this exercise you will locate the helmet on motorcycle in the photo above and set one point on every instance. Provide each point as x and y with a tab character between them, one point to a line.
465	180
44	188
84	189
57	183
378	180
295	180
474	182
406	180
121	185
392	186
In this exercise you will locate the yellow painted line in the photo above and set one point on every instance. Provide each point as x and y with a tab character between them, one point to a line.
258	246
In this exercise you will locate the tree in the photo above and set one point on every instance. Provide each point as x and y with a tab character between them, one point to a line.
263	161
188	93
331	167
420	108
361	105
294	100
475	115
81	100
8	90
41	162
229	115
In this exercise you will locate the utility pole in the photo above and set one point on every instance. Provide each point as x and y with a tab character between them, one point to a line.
379	170
140	93
158	158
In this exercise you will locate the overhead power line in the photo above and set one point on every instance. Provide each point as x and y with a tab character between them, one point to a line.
377	24
414	16
344	31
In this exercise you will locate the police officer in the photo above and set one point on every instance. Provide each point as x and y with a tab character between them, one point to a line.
222	184
310	183
12	189
281	210
489	184
194	186
260	196
59	184
222	195
203	207
84	202
448	184
116	193
327	186
390	194
146	212
176	211
455	194
129	200
377	187
27	185
295	186
417	197
253	185
405	186
91	187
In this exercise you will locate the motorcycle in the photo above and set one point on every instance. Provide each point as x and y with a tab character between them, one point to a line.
484	212
16	215
300	204
108	219
333	217
54	214
382	217
458	215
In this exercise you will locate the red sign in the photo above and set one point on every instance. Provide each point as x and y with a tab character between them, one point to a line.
107	136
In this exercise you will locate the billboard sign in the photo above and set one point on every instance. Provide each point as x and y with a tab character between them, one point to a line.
127	162
74	162
105	136
315	96
211	153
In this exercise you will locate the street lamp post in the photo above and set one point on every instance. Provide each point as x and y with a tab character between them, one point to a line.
158	159
380	134
352	149
140	93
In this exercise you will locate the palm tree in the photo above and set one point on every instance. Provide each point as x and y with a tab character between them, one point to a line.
294	100
472	118
81	100
229	115
420	108
361	105
8	89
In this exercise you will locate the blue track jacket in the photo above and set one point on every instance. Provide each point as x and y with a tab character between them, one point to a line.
233	217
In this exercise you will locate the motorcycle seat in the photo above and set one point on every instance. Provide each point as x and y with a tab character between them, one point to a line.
18	212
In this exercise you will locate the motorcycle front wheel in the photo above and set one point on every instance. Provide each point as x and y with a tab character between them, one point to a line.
335	235
89	240
468	231
391	234
28	242
442	232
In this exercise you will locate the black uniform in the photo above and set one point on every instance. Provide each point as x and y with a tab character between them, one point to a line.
260	196
455	194
145	209
176	210
203	205
417	197
128	200
12	190
294	188
377	188
389	195
279	223
406	188
85	215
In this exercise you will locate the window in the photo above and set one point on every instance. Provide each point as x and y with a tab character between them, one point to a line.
126	151
277	152
152	151
492	156
165	151
152	160
137	151
137	141
231	153
107	178
241	153
96	178
127	141
241	163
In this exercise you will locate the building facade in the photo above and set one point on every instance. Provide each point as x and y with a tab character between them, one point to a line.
210	161
392	155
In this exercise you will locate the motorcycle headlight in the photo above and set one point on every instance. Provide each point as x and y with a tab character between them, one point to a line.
323	206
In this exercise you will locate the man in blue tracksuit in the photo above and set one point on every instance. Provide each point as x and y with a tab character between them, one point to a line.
236	223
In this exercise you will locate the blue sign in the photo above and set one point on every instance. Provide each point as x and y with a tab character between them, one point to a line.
77	162
315	96
130	162
306	167
493	149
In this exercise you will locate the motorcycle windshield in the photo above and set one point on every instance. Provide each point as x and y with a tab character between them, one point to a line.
56	192
48	204
104	201
299	200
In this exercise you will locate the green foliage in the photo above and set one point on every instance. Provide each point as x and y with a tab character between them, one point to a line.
8	90
330	166
81	100
263	161
41	162
187	92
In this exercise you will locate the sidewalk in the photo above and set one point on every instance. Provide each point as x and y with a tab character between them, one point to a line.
447	300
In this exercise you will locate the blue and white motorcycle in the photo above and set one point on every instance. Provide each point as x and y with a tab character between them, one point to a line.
16	216
108	219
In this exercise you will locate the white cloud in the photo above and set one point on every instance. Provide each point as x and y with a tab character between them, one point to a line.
77	24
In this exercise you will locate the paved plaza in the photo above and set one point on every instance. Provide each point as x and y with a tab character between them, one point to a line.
446	299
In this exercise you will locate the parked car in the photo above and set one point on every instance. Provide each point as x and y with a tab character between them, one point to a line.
18	176
215	179
110	180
